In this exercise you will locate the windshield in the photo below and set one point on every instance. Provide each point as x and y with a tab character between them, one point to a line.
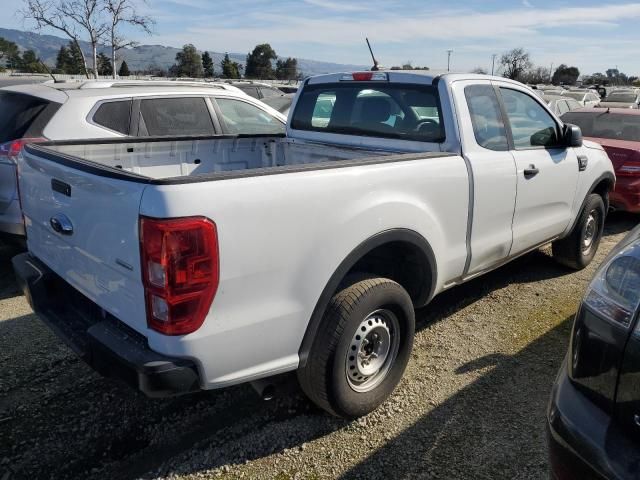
621	97
613	126
407	112
575	95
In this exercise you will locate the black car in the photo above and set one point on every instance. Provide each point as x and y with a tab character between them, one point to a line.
594	412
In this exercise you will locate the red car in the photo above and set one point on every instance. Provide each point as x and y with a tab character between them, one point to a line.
618	131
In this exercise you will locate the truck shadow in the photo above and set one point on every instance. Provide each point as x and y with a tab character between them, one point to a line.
8	286
63	421
485	429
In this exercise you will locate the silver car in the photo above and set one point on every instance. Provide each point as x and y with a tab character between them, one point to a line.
104	109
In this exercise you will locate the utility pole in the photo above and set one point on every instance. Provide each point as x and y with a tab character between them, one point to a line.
551	72
449	52
493	62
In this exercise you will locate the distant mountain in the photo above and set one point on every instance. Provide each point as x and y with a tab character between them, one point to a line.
145	56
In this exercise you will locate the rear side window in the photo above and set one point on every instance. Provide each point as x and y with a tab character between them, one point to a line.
486	118
114	116
250	90
175	116
17	114
269	92
243	118
375	109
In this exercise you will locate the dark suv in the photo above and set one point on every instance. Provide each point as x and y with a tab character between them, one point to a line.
594	412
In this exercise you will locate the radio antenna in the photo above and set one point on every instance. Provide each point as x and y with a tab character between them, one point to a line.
375	67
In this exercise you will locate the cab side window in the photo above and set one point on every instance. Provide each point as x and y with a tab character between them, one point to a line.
531	125
486	117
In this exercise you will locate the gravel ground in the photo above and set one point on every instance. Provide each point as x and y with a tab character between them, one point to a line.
471	404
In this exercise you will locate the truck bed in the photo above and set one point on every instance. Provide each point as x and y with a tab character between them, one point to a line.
204	158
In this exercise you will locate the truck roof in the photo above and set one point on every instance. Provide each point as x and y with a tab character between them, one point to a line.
410	76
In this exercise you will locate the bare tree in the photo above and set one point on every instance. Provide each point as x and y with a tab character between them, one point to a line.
47	13
124	12
87	14
515	63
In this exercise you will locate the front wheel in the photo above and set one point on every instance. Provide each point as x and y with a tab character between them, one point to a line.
580	246
361	349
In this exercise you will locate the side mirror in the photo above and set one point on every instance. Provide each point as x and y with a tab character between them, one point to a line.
572	135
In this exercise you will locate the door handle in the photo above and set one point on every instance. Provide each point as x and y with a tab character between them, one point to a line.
532	171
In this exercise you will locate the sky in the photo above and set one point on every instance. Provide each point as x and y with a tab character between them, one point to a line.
592	35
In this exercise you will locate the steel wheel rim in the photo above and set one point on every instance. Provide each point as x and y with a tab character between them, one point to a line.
590	232
372	350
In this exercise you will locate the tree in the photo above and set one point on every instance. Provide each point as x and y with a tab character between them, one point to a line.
259	62
616	77
63	60
124	69
596	79
105	67
287	69
515	62
10	53
188	63
535	75
77	65
565	75
207	65
30	63
124	12
70	17
479	70
230	69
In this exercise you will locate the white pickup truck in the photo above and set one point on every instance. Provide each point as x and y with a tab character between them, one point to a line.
196	263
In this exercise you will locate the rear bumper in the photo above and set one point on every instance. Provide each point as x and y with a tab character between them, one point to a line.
106	344
584	443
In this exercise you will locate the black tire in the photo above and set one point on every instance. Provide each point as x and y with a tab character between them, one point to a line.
324	377
571	250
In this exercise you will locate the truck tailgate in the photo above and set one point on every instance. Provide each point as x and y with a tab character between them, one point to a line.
85	228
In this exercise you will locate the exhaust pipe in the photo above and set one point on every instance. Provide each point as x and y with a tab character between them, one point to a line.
265	389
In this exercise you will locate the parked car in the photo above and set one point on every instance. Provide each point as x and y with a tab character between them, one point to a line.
116	109
256	89
230	260
618	131
594	412
560	104
586	98
621	99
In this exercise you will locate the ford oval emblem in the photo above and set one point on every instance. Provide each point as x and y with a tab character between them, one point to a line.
61	224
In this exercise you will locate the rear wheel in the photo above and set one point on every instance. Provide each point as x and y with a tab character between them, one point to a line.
361	349
578	249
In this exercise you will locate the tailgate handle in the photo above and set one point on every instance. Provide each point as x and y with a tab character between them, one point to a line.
61	224
60	187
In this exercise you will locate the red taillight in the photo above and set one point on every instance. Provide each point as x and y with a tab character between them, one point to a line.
365	77
13	148
180	272
362	76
